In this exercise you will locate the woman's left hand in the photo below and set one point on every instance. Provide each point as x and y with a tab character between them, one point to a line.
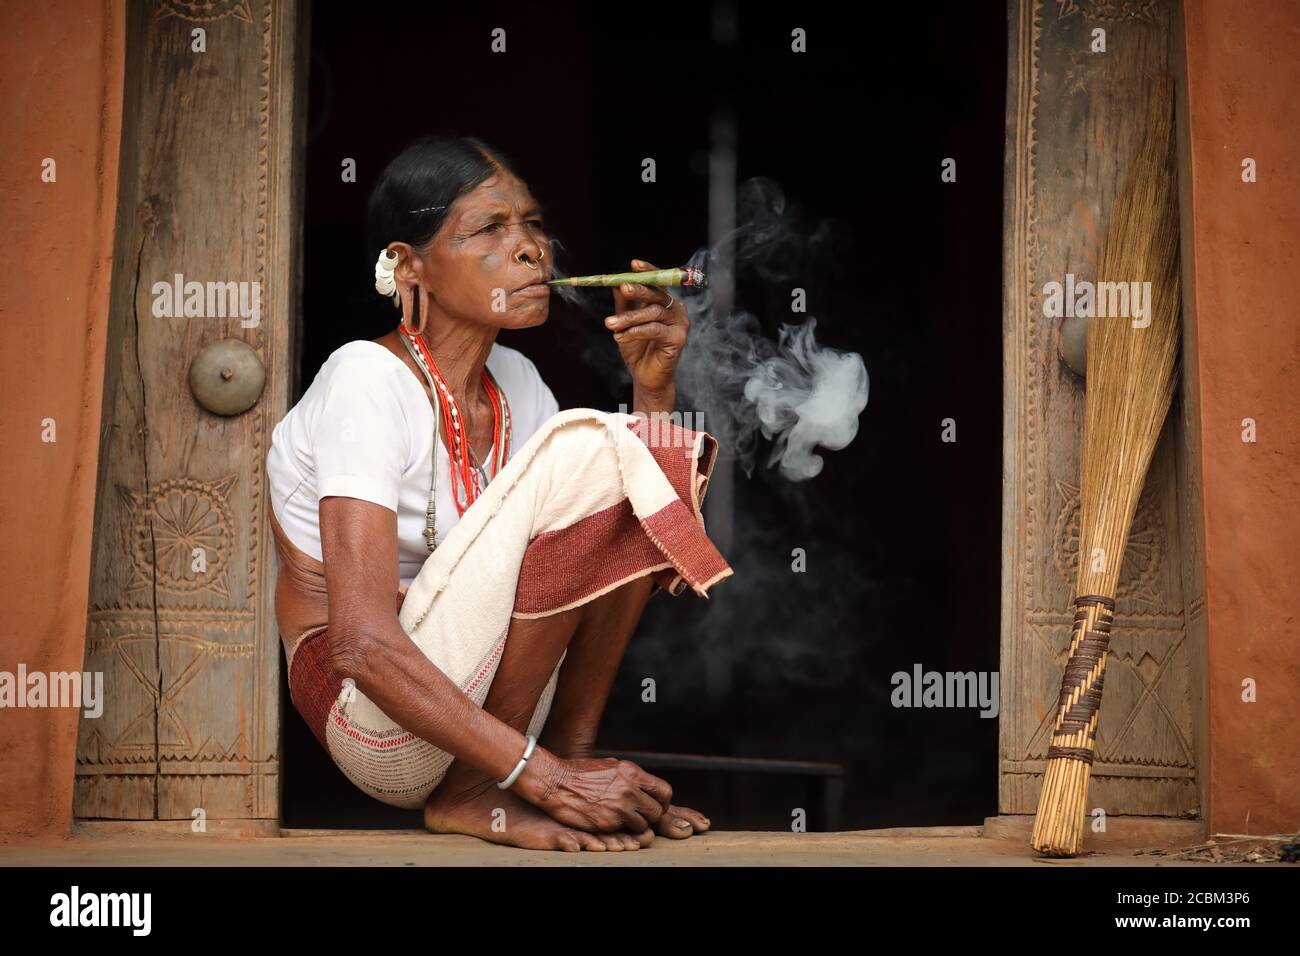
650	326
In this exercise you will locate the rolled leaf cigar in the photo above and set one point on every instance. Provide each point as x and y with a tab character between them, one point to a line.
686	275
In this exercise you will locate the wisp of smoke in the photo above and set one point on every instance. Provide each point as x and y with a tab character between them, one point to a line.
804	396
800	395
767	626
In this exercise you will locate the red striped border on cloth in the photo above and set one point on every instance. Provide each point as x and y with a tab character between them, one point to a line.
671	543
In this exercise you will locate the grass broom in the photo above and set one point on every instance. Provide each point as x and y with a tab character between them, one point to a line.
1130	385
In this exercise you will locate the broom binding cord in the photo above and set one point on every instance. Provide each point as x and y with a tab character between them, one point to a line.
1079	705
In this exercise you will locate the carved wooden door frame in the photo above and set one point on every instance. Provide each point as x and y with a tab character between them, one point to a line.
182	621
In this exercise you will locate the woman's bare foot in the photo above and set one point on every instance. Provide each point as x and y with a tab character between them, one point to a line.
483	810
678	823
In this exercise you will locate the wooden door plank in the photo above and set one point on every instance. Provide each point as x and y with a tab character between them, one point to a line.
189	649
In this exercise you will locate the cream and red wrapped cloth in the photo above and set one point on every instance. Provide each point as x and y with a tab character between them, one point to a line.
592	500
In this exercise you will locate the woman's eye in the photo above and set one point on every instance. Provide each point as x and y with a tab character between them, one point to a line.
498	226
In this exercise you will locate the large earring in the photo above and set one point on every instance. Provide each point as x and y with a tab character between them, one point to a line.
424	310
407	294
411	305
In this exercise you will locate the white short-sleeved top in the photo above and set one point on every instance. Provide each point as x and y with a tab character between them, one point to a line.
364	429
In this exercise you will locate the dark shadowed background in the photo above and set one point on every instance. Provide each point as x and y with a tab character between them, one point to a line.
901	530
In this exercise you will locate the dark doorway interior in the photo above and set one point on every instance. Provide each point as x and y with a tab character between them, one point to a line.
901	530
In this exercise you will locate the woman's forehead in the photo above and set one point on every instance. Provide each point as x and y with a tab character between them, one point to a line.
500	191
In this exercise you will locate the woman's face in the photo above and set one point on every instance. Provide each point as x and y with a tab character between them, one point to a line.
491	246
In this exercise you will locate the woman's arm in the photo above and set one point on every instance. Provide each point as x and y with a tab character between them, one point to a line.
367	643
359	548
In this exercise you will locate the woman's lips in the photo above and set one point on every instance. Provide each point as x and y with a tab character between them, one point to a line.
537	290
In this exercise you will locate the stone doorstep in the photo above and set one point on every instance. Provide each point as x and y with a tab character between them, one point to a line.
246	829
999	842
1123	833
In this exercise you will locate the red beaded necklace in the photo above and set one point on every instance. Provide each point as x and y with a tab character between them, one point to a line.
463	473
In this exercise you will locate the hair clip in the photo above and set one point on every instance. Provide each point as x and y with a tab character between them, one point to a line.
426	209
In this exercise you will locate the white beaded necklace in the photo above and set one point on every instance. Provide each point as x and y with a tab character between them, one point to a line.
431	512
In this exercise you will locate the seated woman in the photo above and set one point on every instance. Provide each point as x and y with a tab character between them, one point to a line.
461	563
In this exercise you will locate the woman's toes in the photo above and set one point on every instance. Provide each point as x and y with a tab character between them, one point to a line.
673	826
629	841
680	822
698	821
612	842
570	841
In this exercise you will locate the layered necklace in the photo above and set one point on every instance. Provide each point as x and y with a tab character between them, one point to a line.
468	477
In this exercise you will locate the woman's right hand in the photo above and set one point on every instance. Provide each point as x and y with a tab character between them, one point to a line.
598	795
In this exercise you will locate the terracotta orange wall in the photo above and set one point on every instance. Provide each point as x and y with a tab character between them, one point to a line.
61	78
1243	87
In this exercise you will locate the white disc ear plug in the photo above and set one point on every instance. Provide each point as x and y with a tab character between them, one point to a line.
384	267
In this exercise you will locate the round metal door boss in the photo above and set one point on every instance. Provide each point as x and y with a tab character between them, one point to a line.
227	377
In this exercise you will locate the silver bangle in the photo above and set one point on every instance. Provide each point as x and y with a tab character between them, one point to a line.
519	767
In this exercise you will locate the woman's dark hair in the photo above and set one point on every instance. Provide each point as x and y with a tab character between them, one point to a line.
432	172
